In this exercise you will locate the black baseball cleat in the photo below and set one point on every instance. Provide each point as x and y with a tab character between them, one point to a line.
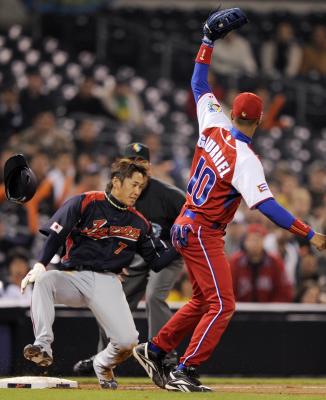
84	367
186	380
170	361
152	364
38	355
105	375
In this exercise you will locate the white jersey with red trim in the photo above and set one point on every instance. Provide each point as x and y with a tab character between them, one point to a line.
224	167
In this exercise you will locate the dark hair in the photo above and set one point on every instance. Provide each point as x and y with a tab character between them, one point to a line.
245	122
125	168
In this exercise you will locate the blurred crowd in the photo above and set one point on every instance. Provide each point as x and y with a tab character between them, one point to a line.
72	135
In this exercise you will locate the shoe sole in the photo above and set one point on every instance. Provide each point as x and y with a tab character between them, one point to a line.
148	367
109	385
185	388
40	358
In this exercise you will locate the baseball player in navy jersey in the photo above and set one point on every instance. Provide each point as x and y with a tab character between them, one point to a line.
224	171
102	232
160	203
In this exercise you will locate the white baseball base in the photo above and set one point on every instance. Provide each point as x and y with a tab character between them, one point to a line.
37	382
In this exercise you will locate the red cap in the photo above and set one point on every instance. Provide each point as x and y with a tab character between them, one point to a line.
247	106
257	228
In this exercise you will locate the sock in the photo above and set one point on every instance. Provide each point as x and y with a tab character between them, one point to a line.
155	349
181	367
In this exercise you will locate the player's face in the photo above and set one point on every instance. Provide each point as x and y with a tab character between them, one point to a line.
130	189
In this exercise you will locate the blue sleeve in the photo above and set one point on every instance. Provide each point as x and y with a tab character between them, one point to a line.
276	213
279	215
199	83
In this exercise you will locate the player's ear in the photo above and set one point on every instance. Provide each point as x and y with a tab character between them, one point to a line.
260	120
116	183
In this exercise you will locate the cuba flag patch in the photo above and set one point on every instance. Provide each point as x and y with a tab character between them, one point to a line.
262	187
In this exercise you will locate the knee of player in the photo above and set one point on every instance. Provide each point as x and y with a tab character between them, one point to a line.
127	343
226	305
46	279
229	306
152	296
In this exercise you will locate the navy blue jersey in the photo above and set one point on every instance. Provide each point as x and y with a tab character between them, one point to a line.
100	237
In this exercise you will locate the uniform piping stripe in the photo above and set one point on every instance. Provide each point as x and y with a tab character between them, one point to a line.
218	295
229	144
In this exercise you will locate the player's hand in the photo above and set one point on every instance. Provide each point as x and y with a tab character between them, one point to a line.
123	274
32	275
319	241
179	235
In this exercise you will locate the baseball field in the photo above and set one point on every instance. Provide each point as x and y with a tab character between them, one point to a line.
142	389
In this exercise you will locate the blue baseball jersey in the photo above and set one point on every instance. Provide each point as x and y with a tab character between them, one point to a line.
101	237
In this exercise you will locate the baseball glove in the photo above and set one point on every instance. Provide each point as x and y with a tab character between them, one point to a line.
221	22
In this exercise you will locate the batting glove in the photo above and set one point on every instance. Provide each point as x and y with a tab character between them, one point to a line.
179	235
32	275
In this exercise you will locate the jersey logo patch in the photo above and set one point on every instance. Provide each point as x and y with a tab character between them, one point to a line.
125	232
262	187
57	228
213	107
99	231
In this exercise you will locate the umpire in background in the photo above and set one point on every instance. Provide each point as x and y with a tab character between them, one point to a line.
160	203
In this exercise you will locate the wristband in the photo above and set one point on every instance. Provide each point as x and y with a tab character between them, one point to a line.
204	54
301	229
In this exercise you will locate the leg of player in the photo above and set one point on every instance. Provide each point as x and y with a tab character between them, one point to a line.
210	272
110	308
134	286
206	315
157	310
52	287
157	290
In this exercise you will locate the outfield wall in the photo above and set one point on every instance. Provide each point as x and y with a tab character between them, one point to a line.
269	340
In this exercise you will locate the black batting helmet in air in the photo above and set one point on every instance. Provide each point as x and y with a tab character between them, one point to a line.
19	179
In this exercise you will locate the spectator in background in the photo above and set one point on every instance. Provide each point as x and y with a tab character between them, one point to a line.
301	204
288	182
90	180
60	179
17	270
34	99
11	116
273	106
123	102
43	136
233	56
86	137
182	290
309	293
86	102
287	249
43	200
282	55
257	275
317	184
308	269
314	53
235	233
163	165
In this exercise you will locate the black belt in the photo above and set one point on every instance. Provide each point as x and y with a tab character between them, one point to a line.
192	215
87	268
